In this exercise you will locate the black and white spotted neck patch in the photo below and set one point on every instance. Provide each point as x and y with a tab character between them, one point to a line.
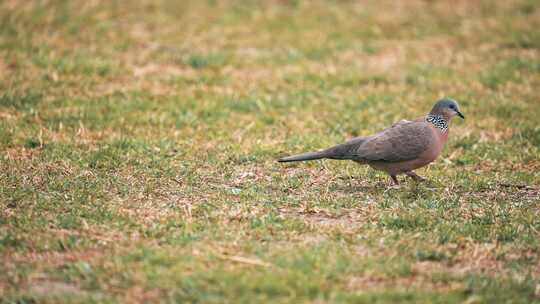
438	121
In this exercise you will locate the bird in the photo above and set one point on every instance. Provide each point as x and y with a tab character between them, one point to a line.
400	149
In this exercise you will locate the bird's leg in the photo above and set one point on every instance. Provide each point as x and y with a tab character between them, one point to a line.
415	176
394	183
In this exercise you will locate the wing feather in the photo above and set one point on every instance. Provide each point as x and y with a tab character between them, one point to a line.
401	142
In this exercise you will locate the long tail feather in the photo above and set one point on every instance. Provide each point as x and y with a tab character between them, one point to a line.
302	157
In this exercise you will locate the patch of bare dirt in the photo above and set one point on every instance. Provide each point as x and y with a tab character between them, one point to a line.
21	153
54	289
56	258
138	294
370	283
162	70
347	219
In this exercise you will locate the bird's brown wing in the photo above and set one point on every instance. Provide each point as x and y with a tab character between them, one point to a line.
401	142
347	150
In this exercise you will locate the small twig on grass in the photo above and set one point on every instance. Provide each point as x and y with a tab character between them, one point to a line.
519	186
244	260
178	181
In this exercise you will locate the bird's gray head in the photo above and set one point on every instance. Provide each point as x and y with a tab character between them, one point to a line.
447	108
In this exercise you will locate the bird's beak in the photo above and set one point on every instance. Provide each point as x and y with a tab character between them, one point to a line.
460	115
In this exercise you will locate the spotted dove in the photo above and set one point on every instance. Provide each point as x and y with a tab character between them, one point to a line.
399	149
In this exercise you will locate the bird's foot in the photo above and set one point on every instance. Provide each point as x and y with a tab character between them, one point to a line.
394	183
415	176
392	187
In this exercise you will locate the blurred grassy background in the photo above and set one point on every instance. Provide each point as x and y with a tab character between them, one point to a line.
139	142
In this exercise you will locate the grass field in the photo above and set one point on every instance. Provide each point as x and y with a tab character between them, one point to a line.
139	142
